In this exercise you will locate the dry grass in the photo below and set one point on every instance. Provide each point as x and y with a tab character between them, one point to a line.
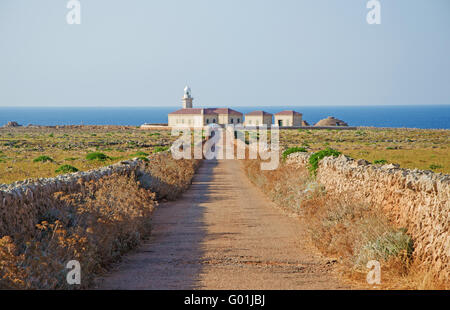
70	145
349	231
410	148
94	225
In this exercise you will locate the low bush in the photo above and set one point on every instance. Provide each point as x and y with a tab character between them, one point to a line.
97	156
380	161
66	169
434	167
316	157
293	150
160	149
140	153
43	159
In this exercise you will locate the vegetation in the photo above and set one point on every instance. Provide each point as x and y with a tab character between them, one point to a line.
316	157
66	169
160	149
97	156
349	232
19	147
435	167
380	161
141	154
291	150
95	226
410	148
42	159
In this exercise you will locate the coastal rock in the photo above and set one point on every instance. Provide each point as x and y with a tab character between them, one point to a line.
12	124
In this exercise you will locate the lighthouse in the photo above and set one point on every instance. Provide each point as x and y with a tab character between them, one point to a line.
187	98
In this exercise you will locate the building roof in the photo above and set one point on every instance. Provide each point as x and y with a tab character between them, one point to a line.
258	113
288	112
331	121
206	111
192	111
225	111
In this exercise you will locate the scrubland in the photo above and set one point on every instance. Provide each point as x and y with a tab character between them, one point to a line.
410	148
38	152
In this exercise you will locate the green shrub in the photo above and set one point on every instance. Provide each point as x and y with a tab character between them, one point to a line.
66	169
97	156
434	166
51	135
380	161
390	244
70	159
143	158
160	149
291	150
140	154
316	157
43	159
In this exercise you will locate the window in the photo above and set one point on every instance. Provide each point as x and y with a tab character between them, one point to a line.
238	120
214	120
207	121
232	121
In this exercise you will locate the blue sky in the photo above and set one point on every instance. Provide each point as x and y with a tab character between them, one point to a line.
231	52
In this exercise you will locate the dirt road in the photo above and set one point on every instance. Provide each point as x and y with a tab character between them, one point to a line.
223	234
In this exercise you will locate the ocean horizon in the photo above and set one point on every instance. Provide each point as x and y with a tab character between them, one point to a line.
413	116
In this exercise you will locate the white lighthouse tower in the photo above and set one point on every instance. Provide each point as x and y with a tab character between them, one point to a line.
187	98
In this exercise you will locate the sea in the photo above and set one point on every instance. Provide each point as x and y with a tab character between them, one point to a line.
424	116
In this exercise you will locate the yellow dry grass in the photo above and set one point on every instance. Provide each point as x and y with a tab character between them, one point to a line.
410	148
69	146
346	230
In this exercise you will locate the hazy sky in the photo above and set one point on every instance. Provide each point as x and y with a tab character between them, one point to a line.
231	52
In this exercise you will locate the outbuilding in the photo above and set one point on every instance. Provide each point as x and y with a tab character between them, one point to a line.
256	118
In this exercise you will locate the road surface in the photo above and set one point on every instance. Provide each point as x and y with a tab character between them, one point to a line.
223	234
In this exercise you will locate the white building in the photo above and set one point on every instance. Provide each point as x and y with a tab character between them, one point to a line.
256	118
288	118
189	116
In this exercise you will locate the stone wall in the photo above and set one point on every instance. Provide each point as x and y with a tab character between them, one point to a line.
414	199
22	202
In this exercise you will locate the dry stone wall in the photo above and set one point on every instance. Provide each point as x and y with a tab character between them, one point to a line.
414	199
22	202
